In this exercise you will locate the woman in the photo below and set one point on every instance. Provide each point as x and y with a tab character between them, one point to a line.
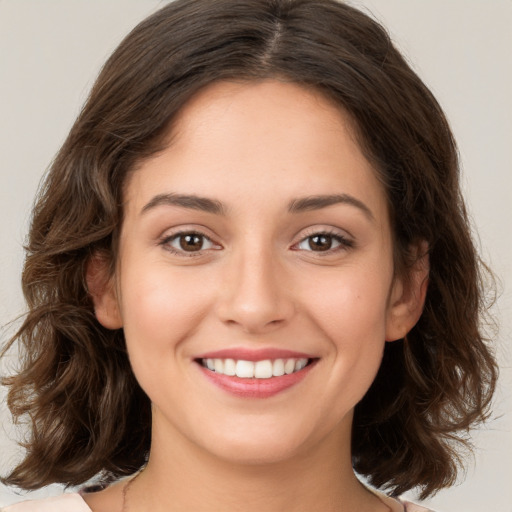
250	267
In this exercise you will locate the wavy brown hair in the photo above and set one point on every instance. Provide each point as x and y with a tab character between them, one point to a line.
87	414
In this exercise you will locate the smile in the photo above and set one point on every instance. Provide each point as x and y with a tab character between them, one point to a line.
264	369
255	374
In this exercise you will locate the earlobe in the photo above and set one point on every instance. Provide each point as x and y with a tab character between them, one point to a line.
408	296
101	287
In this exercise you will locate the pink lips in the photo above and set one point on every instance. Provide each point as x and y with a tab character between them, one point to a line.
254	355
256	388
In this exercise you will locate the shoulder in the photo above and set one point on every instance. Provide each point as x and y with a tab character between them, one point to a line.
412	507
398	505
71	502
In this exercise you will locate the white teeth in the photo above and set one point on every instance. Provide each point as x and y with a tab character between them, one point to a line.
264	369
278	368
300	364
289	366
245	369
229	367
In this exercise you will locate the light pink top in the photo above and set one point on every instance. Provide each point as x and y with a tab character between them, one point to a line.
73	502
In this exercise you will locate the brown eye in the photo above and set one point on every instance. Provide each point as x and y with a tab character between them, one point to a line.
320	242
191	242
324	242
188	242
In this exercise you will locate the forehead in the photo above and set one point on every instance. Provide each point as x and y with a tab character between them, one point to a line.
268	138
261	103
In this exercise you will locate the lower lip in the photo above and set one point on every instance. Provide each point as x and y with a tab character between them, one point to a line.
256	388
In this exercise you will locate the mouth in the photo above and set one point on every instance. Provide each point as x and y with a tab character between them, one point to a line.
255	374
264	369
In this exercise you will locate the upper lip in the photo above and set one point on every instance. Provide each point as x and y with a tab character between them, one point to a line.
247	354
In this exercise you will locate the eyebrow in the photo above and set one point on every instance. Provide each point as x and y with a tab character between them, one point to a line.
323	201
192	202
299	205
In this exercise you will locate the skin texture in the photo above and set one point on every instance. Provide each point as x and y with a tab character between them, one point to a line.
257	282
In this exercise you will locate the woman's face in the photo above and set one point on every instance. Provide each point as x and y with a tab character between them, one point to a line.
257	242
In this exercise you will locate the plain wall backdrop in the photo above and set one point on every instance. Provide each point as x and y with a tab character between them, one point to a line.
51	51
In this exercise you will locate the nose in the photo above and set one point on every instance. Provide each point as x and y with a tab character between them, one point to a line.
255	293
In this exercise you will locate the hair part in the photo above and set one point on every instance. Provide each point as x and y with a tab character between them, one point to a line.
86	411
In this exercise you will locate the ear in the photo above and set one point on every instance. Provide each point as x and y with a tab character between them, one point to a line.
101	286
408	294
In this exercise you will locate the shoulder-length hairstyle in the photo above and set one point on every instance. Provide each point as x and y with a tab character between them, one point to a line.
86	412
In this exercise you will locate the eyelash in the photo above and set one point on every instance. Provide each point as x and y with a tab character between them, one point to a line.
344	243
165	242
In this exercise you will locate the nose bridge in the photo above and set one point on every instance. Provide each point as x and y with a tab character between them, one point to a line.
255	295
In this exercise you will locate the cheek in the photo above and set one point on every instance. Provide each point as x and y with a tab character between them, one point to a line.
351	312
351	304
160	309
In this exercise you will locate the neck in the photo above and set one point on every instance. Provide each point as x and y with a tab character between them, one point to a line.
182	476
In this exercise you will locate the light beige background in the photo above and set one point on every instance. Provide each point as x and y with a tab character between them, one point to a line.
51	51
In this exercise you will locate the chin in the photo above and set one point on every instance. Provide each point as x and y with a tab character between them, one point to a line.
266	443
258	454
